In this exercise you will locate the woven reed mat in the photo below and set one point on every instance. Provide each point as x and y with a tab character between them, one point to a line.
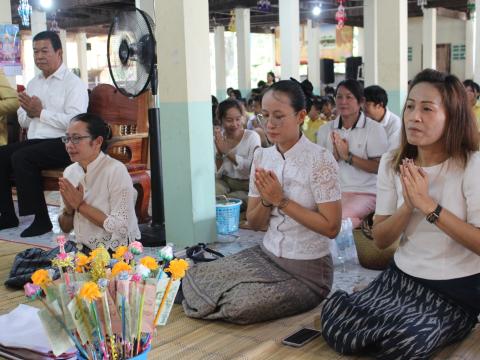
190	339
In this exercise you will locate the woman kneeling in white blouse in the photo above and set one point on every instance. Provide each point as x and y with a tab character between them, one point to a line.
429	196
97	194
295	191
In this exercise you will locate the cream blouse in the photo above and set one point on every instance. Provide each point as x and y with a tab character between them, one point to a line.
107	187
308	174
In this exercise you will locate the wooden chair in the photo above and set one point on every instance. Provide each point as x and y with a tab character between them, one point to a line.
128	119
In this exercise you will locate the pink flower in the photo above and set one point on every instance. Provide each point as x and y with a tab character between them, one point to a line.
31	290
136	278
62	256
136	247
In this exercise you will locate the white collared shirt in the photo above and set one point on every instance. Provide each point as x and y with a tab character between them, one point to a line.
109	188
425	251
243	156
367	140
63	95
393	127
308	174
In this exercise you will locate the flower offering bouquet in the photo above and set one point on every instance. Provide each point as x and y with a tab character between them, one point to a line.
106	307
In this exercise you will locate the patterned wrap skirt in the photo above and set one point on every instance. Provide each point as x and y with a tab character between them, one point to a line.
249	287
395	317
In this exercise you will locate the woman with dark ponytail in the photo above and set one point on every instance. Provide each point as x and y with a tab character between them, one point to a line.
97	194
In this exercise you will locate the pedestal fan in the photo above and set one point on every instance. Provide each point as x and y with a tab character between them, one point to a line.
132	63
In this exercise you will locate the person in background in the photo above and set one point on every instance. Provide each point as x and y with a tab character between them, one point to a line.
375	107
97	193
8	105
329	91
429	196
473	90
270	78
229	91
235	94
234	148
52	98
357	143
327	112
313	121
295	192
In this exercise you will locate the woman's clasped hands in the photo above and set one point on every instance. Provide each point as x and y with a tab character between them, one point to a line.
415	187
268	186
72	196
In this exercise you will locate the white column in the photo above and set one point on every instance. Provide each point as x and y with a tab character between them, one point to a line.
182	35
370	32
392	64
63	39
38	23
289	38
313	57
81	39
470	47
361	43
6	18
429	38
476	74
242	22
220	73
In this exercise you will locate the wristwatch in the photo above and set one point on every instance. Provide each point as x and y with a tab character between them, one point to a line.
350	158
432	218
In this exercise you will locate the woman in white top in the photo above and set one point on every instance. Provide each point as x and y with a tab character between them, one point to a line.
295	192
357	142
98	198
429	196
234	148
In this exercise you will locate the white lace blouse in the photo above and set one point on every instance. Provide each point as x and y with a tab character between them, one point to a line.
107	187
243	155
308	174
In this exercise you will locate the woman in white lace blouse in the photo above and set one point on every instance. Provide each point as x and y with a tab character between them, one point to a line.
97	194
295	192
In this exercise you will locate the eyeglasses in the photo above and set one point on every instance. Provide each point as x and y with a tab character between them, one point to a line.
74	139
275	121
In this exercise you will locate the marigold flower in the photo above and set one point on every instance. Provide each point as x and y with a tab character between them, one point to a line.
82	262
149	262
177	268
90	291
41	278
119	267
120	252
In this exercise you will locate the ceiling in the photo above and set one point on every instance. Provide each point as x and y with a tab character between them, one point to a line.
94	16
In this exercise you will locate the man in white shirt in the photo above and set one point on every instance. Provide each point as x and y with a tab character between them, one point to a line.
51	99
375	107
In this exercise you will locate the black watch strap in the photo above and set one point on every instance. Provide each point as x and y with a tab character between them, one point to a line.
434	215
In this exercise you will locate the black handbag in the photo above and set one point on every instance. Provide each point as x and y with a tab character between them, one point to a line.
202	253
30	260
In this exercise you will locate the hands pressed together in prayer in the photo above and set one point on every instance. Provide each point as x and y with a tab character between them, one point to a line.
31	104
221	142
72	196
415	187
340	146
268	186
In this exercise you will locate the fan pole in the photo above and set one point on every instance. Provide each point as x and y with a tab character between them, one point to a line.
154	234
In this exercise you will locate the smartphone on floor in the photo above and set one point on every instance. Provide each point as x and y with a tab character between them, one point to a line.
301	337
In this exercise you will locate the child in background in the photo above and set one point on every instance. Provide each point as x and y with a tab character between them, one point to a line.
313	120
